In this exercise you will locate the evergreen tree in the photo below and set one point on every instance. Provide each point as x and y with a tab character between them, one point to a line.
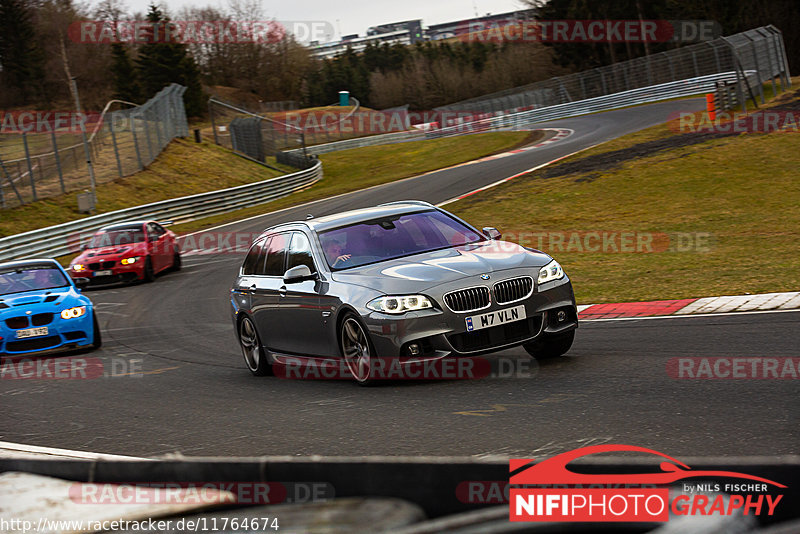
125	76
21	61
161	63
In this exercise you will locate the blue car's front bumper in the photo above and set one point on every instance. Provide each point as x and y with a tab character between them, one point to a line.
62	334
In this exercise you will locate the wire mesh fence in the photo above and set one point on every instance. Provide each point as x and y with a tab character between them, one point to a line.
39	164
760	50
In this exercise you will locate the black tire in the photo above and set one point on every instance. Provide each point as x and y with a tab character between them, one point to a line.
176	261
255	357
97	341
149	275
354	339
550	346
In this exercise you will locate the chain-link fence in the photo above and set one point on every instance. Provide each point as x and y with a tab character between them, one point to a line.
37	164
261	135
760	50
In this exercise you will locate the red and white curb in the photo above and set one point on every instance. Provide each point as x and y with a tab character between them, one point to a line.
691	307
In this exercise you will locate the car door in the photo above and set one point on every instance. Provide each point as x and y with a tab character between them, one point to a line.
301	317
159	255
265	299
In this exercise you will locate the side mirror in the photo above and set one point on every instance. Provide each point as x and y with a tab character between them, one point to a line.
492	232
81	282
297	274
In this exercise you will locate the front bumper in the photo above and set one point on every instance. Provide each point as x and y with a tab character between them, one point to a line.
441	332
120	274
62	335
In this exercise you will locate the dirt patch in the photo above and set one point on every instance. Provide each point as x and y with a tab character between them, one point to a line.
610	160
592	165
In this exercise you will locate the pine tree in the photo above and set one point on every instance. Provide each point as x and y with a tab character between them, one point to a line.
21	61
161	63
126	78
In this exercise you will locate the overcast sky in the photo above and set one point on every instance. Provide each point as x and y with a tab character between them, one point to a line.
355	16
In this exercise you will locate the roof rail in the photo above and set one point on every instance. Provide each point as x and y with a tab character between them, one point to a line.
417	202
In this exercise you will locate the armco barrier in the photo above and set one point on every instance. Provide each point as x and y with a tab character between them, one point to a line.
60	240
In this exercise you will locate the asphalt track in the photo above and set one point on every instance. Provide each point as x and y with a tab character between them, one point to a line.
179	384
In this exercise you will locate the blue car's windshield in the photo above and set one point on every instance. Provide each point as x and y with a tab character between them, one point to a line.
393	237
30	279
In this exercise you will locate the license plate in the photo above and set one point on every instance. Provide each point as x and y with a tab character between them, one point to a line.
495	318
32	332
103	273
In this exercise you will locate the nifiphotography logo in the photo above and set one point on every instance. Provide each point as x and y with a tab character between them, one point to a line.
565	495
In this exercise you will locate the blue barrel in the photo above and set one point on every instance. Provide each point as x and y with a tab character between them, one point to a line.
344	98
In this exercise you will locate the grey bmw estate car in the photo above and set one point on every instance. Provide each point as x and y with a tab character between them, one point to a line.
405	281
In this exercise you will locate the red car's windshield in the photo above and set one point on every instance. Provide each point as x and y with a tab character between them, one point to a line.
113	238
393	237
30	279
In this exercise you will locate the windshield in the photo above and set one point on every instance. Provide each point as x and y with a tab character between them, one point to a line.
384	239
30	279
122	236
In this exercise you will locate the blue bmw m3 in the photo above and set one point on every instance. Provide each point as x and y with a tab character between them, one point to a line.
42	310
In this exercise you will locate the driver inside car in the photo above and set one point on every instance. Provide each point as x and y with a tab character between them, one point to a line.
335	250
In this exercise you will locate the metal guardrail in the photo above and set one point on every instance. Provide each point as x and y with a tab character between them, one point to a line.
64	238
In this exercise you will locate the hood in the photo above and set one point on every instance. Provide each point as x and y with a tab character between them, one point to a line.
104	253
37	297
422	271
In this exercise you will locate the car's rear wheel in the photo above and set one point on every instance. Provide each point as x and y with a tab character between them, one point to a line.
97	339
149	275
253	353
550	346
356	349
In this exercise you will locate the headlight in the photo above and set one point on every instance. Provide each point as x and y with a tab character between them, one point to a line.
400	304
72	313
78	267
551	271
129	261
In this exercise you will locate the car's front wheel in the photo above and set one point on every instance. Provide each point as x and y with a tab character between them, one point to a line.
550	346
356	349
253	353
148	275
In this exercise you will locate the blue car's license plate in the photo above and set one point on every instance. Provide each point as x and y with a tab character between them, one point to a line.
32	332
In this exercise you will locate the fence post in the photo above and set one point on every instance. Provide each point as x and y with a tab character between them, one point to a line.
10	182
213	123
772	72
58	160
758	68
114	144
30	166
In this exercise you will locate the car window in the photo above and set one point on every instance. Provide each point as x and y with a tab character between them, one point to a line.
153	232
300	252
276	255
31	278
254	261
393	237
